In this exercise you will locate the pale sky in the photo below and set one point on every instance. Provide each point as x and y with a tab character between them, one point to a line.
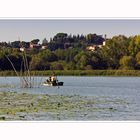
26	30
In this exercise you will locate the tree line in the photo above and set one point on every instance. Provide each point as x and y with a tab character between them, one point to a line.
68	52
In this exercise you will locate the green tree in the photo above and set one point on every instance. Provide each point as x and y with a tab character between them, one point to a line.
44	42
127	62
82	60
35	41
115	49
39	64
138	61
47	55
134	45
70	66
61	54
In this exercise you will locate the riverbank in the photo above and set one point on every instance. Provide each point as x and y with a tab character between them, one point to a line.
25	106
79	73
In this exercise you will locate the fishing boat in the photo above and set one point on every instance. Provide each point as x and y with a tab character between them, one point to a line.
52	81
49	83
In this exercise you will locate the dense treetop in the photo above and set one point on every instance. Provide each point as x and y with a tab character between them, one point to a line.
69	52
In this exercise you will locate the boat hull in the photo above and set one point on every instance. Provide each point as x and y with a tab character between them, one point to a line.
53	84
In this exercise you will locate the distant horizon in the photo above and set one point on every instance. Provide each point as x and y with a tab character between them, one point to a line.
29	29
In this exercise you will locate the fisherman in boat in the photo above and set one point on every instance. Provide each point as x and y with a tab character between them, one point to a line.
53	78
49	80
52	81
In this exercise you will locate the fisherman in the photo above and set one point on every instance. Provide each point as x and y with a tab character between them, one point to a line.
49	80
53	77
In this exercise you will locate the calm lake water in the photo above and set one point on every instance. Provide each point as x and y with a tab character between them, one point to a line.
119	93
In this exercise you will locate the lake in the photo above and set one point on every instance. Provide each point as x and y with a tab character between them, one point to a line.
119	93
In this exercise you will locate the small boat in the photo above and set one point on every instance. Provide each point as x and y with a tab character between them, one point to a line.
46	83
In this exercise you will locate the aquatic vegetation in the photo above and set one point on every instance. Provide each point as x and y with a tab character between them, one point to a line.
25	106
7	86
2	118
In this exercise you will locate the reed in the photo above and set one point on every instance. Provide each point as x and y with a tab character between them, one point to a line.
26	80
72	73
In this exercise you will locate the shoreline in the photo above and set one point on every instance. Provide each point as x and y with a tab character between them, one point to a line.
114	73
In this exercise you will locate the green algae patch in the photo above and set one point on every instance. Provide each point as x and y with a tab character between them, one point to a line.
25	106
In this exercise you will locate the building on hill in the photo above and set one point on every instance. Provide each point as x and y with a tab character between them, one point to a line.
22	49
91	48
104	43
44	47
34	46
95	46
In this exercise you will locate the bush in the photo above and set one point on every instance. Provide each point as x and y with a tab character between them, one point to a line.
127	63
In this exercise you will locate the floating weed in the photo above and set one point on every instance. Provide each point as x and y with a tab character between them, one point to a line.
59	106
2	118
24	94
22	110
7	86
112	109
22	116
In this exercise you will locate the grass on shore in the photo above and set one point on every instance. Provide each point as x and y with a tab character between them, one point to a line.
79	73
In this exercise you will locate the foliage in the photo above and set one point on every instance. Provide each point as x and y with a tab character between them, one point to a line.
127	62
35	41
69	52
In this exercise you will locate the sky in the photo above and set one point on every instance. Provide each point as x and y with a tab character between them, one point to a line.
29	29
